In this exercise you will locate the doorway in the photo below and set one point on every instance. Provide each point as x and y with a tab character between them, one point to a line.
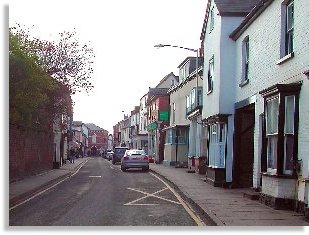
244	147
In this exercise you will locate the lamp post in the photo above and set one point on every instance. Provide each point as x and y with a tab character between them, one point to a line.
197	57
196	91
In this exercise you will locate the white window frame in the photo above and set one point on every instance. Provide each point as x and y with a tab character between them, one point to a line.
245	60
94	138
184	72
288	132
210	77
286	47
212	19
174	112
272	118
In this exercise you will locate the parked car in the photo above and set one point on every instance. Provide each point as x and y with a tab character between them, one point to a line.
135	158
118	154
109	154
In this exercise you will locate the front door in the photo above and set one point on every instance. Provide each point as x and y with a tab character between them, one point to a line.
244	147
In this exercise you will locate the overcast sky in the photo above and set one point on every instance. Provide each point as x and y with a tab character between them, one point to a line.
122	33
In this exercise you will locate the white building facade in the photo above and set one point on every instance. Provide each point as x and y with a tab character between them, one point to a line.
218	84
272	86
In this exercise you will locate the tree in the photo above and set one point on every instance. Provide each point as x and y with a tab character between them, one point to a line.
35	97
66	59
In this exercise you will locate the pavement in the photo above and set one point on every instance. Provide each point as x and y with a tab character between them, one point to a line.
221	207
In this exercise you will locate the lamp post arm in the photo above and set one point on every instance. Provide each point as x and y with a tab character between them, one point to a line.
168	45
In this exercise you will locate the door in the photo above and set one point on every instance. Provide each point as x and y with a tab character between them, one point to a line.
244	147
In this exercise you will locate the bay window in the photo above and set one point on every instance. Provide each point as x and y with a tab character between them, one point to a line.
171	136
281	129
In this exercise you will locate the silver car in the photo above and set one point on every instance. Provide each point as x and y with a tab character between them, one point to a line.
135	158
109	154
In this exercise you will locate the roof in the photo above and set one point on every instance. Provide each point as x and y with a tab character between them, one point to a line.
239	8
256	11
157	91
93	127
235	7
166	77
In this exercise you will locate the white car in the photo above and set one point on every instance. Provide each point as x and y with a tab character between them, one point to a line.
109	154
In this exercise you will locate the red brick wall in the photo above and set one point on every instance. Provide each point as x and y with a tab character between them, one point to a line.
164	103
31	152
101	139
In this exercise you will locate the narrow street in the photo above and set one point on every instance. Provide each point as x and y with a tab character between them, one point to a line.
100	194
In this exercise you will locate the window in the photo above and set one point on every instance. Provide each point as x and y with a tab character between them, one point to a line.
173	112
287	31
188	104
272	109
289	134
193	99
94	139
289	28
245	61
200	96
182	133
184	72
171	136
212	23
281	119
210	74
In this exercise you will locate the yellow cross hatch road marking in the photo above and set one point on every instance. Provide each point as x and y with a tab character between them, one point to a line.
133	203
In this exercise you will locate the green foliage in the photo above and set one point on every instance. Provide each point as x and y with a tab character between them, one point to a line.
34	95
65	59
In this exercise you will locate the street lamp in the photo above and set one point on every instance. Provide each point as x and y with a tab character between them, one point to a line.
197	57
196	92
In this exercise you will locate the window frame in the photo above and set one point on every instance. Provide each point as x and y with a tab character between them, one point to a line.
282	91
289	30
210	76
245	61
212	19
286	51
174	112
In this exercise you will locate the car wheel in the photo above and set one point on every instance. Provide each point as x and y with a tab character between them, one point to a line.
146	169
123	169
113	162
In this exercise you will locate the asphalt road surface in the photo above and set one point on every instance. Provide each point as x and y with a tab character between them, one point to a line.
100	194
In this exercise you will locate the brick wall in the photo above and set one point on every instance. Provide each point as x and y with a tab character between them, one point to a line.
30	152
101	139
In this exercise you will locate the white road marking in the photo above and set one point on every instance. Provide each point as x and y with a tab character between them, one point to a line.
197	220
95	176
149	195
43	191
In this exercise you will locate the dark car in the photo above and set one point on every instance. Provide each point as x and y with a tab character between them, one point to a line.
118	154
